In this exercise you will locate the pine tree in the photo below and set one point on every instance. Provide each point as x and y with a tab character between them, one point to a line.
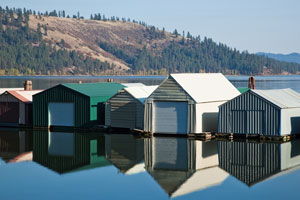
175	33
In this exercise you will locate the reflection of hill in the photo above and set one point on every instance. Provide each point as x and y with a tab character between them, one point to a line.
252	162
181	166
68	152
125	152
14	144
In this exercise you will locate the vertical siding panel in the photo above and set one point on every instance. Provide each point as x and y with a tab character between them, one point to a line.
249	109
60	94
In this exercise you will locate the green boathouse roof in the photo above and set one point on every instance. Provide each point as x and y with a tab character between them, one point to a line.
243	90
95	89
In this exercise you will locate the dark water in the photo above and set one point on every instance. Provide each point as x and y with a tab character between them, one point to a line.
51	165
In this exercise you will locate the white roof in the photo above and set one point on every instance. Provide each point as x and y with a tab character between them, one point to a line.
132	84
24	95
138	168
200	180
206	87
283	98
2	90
141	93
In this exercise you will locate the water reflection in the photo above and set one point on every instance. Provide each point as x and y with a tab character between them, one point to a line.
15	145
252	163
125	152
181	166
69	152
157	167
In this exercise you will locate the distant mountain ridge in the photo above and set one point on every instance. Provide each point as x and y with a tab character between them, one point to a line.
292	57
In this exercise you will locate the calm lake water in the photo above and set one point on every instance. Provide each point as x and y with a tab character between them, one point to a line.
52	165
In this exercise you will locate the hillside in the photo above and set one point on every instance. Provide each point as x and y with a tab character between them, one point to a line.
82	36
292	57
33	44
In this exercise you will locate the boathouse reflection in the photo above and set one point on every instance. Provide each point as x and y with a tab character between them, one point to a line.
15	145
69	152
125	152
252	163
181	166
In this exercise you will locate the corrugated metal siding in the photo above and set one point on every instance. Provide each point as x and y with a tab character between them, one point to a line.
139	120
249	114
123	110
107	114
249	162
60	164
28	114
169	90
60	94
97	112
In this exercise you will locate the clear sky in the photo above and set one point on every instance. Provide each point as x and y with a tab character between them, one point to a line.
253	25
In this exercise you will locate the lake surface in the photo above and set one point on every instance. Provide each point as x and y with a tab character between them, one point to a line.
44	82
52	165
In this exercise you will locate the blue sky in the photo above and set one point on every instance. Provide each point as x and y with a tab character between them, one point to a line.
265	25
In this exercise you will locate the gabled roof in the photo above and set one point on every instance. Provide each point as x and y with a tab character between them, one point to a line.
2	90
141	93
206	87
95	89
23	95
243	90
178	183
283	98
133	84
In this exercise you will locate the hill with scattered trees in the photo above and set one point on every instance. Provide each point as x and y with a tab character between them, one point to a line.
54	43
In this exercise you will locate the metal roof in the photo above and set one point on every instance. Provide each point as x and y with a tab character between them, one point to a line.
24	95
141	93
133	84
283	98
206	87
243	90
95	89
2	90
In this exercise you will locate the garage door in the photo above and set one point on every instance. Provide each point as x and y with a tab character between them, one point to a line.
61	114
170	117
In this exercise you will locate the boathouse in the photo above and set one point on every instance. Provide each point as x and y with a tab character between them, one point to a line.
181	166
266	112
16	107
73	104
126	108
187	103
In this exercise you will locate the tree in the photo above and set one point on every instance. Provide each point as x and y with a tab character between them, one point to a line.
63	13
39	32
46	30
175	33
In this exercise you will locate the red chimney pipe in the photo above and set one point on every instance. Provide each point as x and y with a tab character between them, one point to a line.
251	83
